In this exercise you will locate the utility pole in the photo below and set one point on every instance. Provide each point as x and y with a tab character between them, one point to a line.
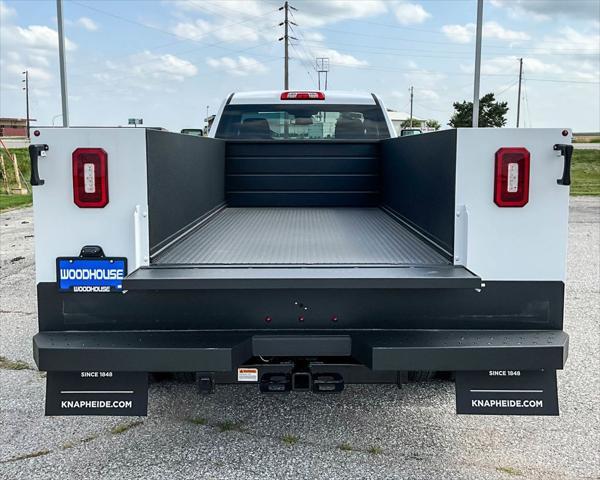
63	67
477	63
411	104
286	38
519	99
26	88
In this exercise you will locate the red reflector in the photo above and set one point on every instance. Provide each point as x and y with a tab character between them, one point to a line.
90	178
511	182
302	96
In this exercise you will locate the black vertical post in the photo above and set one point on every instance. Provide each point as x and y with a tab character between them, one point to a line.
26	72
519	99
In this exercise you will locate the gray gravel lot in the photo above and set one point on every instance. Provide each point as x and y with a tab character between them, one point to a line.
414	430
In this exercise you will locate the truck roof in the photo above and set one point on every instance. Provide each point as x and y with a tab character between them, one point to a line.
274	97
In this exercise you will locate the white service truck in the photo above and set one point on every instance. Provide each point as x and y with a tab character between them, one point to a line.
300	246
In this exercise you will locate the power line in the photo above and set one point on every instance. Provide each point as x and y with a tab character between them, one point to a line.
431	42
301	61
180	39
422	72
301	44
301	41
439	110
437	32
125	77
167	32
540	51
526	101
413	52
506	89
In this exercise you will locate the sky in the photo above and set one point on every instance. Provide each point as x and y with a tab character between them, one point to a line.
167	61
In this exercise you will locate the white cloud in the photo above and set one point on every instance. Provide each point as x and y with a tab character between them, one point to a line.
222	31
144	71
242	66
161	67
466	33
408	13
33	48
313	36
88	24
459	33
510	64
425	79
495	30
6	11
36	37
336	58
323	13
309	14
35	74
428	94
541	10
341	59
570	40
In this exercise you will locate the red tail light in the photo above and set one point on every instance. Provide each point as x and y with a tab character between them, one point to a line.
302	96
90	178
511	182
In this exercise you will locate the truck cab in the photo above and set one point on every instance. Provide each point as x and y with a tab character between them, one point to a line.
274	115
302	246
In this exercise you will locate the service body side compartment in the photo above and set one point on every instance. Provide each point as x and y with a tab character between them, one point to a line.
516	247
518	244
61	230
61	227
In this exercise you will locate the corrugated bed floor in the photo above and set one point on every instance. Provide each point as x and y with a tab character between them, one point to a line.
301	236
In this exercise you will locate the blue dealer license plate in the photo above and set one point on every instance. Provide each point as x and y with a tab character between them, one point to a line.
94	275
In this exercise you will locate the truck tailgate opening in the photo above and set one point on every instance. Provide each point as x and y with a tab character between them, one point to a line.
300	214
301	247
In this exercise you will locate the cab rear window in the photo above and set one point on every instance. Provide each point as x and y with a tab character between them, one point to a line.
302	122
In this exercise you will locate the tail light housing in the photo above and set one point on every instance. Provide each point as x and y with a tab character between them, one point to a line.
90	177
302	96
511	180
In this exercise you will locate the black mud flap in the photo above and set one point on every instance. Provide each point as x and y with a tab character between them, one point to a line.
507	392
97	393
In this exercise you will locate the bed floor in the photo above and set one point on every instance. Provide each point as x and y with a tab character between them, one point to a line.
301	236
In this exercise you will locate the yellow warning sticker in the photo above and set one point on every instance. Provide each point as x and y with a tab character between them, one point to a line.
247	374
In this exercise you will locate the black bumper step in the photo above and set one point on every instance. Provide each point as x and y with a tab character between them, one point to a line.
195	351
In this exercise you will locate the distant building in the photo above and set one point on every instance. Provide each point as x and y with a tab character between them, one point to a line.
14	127
398	117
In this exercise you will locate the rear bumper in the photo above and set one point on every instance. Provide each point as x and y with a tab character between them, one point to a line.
202	351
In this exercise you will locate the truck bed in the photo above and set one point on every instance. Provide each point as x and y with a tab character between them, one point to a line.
301	236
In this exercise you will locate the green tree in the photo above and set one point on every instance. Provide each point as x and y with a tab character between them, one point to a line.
491	113
415	123
433	124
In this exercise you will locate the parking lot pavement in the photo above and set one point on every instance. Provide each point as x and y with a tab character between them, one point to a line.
237	433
